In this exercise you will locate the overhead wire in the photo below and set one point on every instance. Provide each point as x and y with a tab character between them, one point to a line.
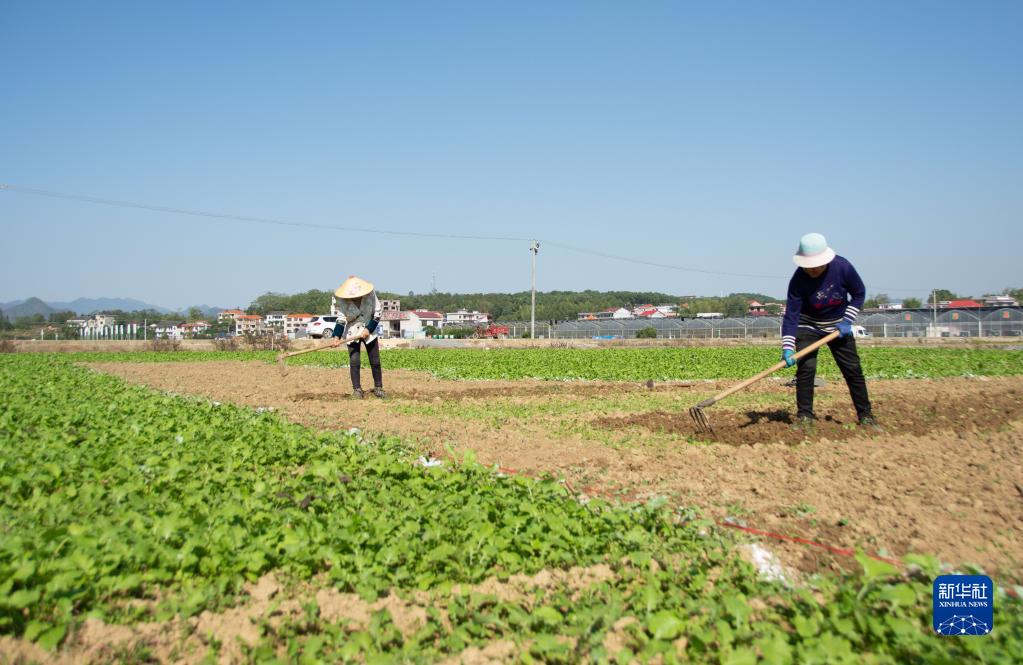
390	232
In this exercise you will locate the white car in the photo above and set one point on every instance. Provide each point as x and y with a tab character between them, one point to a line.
860	331
321	326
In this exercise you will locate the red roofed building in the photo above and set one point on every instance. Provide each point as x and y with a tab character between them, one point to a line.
229	315
413	324
248	323
390	323
959	304
296	322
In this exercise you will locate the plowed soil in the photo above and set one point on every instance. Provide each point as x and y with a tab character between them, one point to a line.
944	478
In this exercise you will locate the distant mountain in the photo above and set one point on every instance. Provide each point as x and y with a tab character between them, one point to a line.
90	305
32	306
29	307
208	311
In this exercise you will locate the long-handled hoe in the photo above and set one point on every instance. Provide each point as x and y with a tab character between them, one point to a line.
703	423
283	357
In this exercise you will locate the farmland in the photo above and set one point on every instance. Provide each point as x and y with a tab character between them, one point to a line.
184	506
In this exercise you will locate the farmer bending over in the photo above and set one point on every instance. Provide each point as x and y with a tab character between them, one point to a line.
360	314
825	294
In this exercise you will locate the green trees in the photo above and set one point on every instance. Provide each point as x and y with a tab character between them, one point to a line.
550	305
911	303
311	302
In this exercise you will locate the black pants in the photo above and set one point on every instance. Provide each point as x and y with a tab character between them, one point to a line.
844	351
354	359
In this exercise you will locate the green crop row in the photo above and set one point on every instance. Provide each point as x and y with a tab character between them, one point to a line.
615	364
110	492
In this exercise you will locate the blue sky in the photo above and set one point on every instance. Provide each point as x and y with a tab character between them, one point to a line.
708	137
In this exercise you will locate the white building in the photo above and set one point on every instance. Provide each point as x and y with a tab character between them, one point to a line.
168	330
413	324
96	324
229	315
465	318
295	324
890	305
1000	301
609	313
251	324
390	323
390	305
193	329
275	319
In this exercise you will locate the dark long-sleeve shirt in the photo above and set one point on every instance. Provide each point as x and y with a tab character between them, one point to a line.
820	304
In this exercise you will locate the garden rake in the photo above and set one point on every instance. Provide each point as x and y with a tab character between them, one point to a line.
700	417
283	357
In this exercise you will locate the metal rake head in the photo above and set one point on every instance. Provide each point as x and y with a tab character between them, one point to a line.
700	417
282	365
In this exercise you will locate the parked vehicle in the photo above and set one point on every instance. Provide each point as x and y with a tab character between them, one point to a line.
490	332
321	326
860	331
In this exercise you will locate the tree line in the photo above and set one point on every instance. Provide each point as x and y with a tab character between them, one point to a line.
550	305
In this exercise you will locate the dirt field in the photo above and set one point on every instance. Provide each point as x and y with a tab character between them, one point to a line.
946	477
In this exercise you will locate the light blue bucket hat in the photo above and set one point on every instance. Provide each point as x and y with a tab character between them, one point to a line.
813	251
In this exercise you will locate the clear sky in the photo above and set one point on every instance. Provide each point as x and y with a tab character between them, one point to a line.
708	136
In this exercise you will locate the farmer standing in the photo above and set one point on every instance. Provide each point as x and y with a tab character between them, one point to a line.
359	313
825	294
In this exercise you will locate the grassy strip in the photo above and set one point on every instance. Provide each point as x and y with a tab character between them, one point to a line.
110	492
629	364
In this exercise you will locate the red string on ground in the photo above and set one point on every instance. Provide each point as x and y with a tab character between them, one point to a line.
839	551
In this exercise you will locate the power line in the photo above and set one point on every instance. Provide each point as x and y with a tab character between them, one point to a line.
244	218
413	234
616	257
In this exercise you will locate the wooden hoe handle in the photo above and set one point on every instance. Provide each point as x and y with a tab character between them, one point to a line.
771	370
315	348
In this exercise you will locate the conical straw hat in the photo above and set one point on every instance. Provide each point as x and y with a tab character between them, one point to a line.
353	287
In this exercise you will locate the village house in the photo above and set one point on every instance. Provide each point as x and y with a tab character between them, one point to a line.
95	323
413	324
390	323
464	318
167	330
194	328
1000	301
251	324
295	324
609	313
959	304
229	315
275	319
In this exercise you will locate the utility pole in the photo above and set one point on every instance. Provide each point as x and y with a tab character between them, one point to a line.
934	311
534	247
